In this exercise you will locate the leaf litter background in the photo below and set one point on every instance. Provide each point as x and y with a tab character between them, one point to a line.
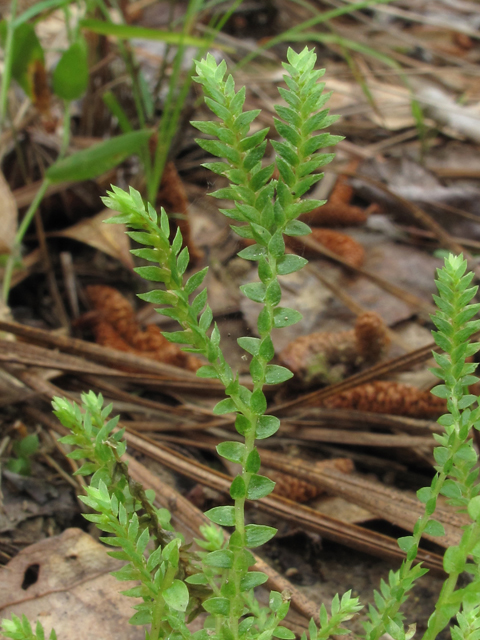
355	441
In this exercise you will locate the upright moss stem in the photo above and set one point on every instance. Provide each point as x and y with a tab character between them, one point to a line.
267	208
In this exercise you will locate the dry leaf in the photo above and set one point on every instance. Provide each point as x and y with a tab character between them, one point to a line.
8	216
109	238
341	509
65	583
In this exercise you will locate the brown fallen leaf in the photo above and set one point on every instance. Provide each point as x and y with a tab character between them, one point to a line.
8	216
109	238
65	583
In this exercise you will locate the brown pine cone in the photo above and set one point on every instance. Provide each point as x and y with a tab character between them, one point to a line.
338	242
298	490
173	198
106	336
116	327
371	338
113	308
320	358
389	397
291	487
335	214
338	212
327	357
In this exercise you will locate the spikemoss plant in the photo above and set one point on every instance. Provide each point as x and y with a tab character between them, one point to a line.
175	583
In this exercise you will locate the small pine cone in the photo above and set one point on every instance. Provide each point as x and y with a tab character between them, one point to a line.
291	487
341	244
338	212
327	357
320	358
114	308
389	397
173	198
116	327
151	340
106	336
335	214
299	490
343	190
371	336
463	41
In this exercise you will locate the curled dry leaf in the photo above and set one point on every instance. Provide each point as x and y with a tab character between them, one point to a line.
338	242
173	198
328	357
8	216
109	238
115	326
394	398
65	583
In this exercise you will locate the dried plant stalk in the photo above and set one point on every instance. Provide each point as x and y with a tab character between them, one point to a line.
115	326
383	396
327	357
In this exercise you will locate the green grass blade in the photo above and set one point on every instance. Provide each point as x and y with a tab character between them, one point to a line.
37	8
127	31
334	38
90	163
290	34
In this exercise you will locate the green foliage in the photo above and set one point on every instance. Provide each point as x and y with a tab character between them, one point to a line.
468	623
70	78
174	583
23	450
128	31
342	610
24	57
21	629
267	209
92	162
26	52
457	469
